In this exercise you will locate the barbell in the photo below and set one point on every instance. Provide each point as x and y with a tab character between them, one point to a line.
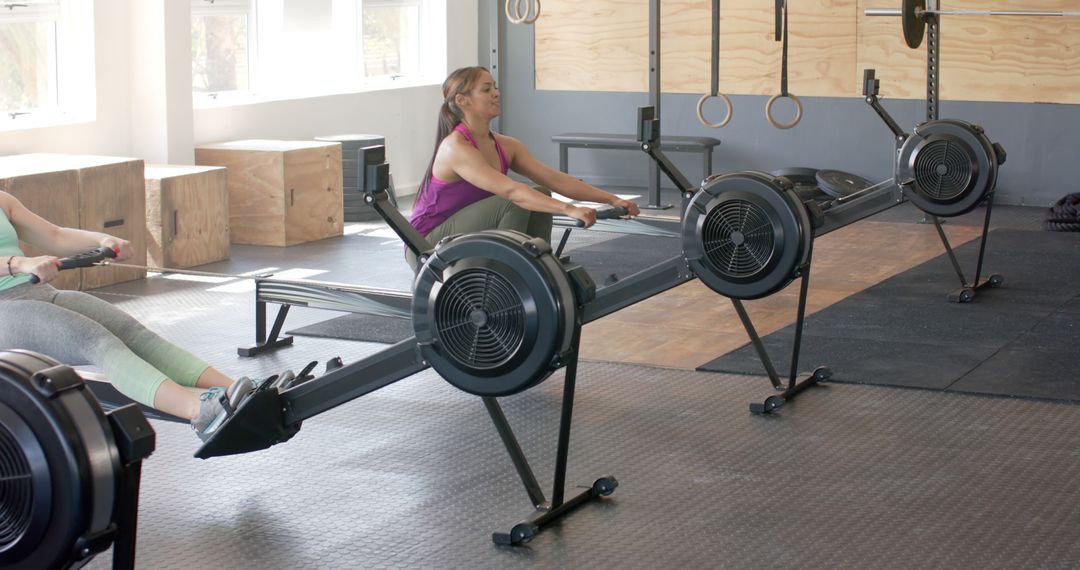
914	14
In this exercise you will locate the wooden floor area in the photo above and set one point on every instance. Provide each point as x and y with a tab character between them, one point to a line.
691	325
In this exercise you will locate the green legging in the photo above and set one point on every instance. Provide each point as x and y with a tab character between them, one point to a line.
77	328
491	214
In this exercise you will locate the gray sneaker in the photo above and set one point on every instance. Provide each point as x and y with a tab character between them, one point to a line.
217	405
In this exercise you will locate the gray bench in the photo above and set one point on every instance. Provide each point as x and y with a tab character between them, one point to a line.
702	145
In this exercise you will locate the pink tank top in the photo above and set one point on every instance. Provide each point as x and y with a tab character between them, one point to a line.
440	199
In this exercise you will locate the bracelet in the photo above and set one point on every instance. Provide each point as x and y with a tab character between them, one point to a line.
10	272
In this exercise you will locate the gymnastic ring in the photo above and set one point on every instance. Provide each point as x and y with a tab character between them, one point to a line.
536	16
511	18
774	122
701	115
523	17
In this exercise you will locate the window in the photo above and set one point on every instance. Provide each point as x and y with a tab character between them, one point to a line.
293	48
46	60
391	38
220	51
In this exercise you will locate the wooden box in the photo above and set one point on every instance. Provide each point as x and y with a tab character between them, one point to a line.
187	215
280	192
97	193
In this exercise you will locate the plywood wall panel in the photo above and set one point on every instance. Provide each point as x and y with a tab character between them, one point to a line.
602	45
1008	58
881	47
821	53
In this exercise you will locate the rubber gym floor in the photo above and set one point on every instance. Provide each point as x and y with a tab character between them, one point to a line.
414	475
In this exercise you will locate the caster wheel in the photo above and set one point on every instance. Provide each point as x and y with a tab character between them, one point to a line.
967	295
996	280
605	486
521	533
822	374
771	403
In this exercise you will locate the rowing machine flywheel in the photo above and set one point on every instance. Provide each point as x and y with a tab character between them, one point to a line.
948	167
746	234
494	312
58	465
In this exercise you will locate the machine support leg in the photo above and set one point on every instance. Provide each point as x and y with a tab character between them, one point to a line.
793	385
262	342
949	250
517	456
985	231
799	319
127	508
544	513
758	345
565	422
967	290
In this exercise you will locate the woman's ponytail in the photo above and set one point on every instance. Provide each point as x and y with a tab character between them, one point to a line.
460	82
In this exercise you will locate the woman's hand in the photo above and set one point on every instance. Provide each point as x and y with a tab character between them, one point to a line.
122	247
45	267
631	208
586	215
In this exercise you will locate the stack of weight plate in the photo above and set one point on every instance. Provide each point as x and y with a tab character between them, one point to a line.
352	172
822	185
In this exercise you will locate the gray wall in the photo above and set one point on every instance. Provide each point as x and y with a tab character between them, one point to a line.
1042	140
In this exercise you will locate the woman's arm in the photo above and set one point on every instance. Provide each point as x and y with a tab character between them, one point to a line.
523	162
467	162
59	241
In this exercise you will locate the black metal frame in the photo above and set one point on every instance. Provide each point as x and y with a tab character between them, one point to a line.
793	387
967	291
135	441
871	85
546	512
269	417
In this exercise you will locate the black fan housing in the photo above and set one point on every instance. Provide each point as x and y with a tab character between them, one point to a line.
58	467
948	167
746	234
494	312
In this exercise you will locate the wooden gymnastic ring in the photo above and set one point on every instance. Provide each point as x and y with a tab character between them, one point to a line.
514	19
774	122
535	16
526	17
701	115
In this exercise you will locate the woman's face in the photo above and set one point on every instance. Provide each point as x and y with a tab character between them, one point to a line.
483	98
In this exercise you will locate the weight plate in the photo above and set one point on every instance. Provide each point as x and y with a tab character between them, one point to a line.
913	22
840	184
798	175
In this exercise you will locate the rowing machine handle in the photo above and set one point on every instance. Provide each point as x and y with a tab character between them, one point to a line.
85	259
605	214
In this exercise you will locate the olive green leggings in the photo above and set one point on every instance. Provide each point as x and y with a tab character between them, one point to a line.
77	328
491	214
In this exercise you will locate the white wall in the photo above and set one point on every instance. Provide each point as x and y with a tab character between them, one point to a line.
131	122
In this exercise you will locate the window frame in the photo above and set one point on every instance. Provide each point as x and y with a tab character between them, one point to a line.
231	8
72	63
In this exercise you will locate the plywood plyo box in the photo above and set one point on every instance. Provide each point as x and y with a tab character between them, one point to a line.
187	215
280	192
97	193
